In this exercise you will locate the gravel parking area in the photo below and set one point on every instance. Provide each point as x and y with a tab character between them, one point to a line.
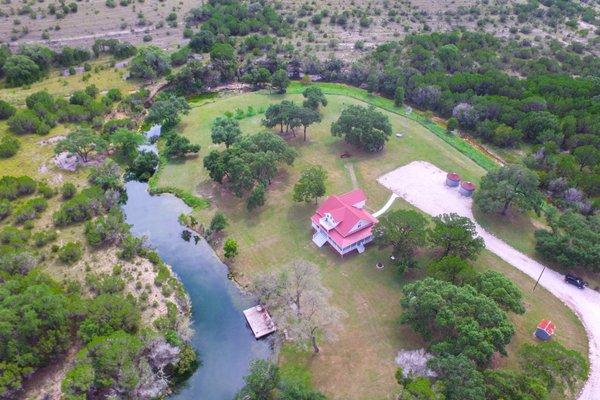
423	185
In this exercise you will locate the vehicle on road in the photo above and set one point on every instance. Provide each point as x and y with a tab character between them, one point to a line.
575	281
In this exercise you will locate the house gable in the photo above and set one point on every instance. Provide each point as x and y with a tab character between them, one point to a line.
360	224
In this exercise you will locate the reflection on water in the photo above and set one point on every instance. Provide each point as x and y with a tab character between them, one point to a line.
224	343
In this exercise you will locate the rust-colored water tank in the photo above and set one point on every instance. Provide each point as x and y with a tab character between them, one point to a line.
466	188
452	179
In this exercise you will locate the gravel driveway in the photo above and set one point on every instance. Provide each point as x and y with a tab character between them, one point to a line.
423	185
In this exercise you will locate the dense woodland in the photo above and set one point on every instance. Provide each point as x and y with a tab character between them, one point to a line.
538	97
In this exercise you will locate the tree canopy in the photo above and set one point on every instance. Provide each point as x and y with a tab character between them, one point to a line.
167	110
177	146
253	159
573	241
314	97
456	235
81	142
311	184
280	81
507	186
452	269
500	289
554	364
456	320
149	63
225	130
363	127
291	116
21	70
126	142
403	230
265	382
462	379
311	315
35	323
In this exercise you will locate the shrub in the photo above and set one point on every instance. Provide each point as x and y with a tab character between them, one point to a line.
27	121
81	98
131	247
83	206
6	110
12	187
144	165
9	146
70	253
35	321
5	208
41	238
106	230
114	95
180	56
257	197
230	248
68	190
46	190
218	222
30	209
13	236
112	125
187	363
103	284
92	91
107	176
108	313
21	70
452	124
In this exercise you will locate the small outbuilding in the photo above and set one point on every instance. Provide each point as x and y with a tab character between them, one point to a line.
260	321
452	179
466	188
545	330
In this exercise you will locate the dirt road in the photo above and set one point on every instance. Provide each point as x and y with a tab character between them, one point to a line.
423	185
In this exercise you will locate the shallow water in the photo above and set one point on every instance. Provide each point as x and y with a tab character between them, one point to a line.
223	341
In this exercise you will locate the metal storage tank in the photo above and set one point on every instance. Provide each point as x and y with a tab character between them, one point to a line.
452	179
466	188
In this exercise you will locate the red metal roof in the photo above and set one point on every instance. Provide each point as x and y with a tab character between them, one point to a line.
547	326
346	215
353	197
453	176
467	185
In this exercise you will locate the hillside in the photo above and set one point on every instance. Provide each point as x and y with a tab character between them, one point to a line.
342	28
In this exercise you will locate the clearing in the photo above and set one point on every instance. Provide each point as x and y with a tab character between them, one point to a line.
280	232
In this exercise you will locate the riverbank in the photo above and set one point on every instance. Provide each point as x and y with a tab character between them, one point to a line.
224	344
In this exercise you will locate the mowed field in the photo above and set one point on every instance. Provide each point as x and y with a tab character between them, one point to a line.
360	364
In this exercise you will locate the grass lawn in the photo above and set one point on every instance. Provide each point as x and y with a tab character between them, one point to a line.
360	364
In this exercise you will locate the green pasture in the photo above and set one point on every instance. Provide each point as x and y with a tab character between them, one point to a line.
360	364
